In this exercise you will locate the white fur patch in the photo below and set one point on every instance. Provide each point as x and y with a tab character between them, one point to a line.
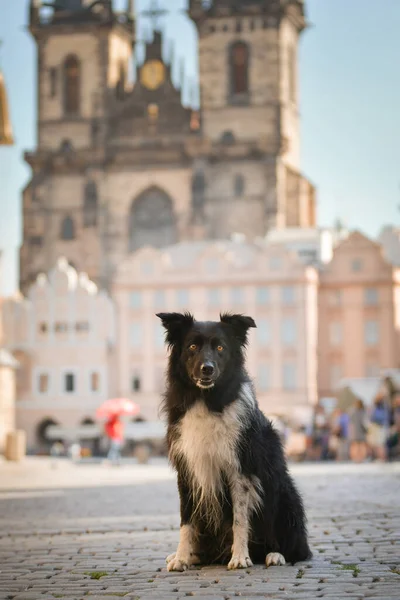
241	494
274	558
182	559
207	441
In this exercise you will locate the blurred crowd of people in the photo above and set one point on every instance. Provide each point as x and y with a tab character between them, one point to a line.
358	433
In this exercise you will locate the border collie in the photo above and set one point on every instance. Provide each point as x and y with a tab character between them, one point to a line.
238	503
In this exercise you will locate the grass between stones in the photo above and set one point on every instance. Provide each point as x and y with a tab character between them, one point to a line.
96	574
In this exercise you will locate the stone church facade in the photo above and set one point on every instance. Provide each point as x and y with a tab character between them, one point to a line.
120	166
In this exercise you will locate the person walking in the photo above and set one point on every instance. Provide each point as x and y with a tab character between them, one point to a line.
115	432
378	429
358	432
340	429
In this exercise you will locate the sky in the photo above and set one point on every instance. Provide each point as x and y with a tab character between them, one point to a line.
350	99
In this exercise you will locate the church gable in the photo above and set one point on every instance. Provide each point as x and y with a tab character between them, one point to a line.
154	106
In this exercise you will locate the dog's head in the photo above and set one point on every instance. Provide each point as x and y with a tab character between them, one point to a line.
207	350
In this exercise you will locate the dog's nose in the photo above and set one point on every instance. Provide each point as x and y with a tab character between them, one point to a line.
207	369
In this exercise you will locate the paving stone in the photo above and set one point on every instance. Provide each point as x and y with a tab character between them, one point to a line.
85	521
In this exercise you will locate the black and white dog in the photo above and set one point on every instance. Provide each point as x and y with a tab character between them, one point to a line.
238	502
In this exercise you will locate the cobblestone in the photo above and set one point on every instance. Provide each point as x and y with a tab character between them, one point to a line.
89	531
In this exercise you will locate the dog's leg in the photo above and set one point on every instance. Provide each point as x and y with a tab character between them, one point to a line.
240	493
185	554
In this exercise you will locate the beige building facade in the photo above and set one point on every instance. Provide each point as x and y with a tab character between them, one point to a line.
265	281
359	314
122	165
62	335
8	370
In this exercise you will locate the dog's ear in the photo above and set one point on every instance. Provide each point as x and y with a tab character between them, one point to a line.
240	325
176	325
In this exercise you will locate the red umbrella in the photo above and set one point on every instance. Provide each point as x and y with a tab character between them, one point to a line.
117	407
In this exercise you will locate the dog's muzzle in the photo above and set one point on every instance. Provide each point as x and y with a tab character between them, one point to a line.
208	375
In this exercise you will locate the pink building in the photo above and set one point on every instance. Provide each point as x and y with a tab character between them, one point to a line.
264	280
62	336
359	314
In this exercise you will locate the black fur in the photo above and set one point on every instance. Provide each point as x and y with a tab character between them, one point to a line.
280	523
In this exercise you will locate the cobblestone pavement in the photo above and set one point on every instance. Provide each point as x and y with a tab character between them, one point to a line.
76	531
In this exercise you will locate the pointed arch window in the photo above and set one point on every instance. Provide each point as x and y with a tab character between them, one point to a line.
90	205
71	85
152	220
67	229
239	70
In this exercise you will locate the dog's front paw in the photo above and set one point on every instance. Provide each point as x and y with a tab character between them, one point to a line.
240	561
274	558
170	557
176	563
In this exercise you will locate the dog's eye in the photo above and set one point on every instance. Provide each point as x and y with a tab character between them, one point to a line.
193	347
220	348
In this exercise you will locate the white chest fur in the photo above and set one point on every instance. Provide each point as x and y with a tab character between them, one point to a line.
207	441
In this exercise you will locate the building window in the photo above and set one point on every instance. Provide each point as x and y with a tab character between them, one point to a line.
336	333
69	383
237	296
263	296
263	332
53	82
292	74
336	298
159	299
288	332
159	379
94	381
61	327
67	229
239	185
371	333
136	383
214	297
152	220
159	336
136	335
182	298
43	327
264	377
82	326
356	265
71	85
121	83
135	300
36	240
336	375
239	69
90	202
43	383
371	297
289	376
288	295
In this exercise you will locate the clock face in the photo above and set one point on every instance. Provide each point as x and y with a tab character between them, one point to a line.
152	74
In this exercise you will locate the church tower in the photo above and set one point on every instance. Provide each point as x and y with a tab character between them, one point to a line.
248	55
84	48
